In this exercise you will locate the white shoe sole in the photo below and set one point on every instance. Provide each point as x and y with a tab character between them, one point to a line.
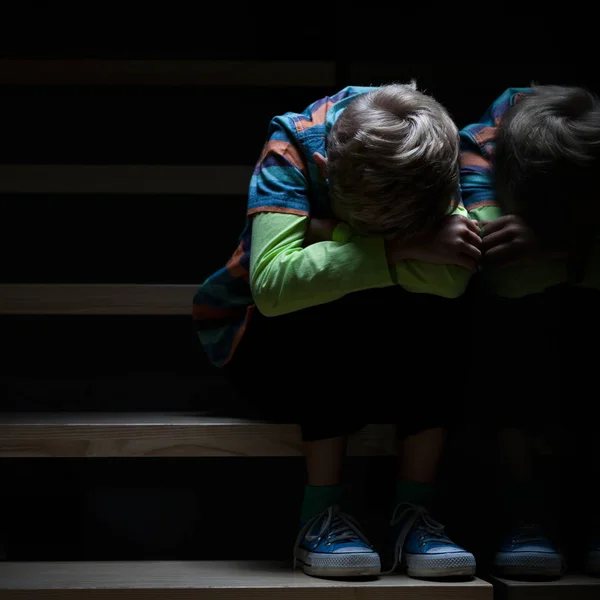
350	564
532	564
435	566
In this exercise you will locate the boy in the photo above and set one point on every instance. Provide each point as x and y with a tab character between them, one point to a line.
529	175
301	315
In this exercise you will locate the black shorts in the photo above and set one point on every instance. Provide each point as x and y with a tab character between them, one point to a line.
383	355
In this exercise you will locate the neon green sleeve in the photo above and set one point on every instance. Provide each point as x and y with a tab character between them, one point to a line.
518	281
285	277
448	281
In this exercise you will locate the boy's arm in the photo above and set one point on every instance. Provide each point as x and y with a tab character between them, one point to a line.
416	276
448	281
285	277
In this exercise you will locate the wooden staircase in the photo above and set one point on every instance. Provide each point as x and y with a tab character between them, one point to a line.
145	436
115	176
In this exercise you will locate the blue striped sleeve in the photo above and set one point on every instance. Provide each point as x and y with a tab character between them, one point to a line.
279	182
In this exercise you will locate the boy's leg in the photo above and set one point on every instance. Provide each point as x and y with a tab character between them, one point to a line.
413	327
330	543
418	540
418	460
431	358
284	369
324	458
419	454
324	448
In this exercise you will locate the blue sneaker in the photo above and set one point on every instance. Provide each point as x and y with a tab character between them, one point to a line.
332	545
421	545
528	553
592	558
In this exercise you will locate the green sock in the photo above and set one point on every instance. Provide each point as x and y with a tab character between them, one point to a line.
318	498
420	494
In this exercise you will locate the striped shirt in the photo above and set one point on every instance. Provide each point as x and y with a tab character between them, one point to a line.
286	179
477	142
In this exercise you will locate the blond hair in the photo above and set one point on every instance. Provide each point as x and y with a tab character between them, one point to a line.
393	163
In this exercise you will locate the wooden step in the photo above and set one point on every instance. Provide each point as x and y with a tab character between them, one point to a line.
96	299
569	587
212	580
254	73
138	180
163	434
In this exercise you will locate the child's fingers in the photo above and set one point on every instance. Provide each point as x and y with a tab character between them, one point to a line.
472	238
473	226
491	240
495	225
502	254
470	250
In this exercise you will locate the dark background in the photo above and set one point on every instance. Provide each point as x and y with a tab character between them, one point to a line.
196	508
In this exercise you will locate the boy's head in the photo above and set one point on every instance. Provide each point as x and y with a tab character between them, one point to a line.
547	164
392	163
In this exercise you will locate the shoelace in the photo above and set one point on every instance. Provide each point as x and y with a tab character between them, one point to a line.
413	513
339	527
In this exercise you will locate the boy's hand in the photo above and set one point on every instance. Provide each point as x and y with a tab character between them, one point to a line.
508	240
456	242
319	230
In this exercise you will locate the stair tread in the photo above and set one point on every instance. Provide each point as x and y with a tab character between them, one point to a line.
194	575
163	434
96	299
573	586
565	581
123	419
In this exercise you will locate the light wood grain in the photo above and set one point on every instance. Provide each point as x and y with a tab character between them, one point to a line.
157	434
168	72
96	299
212	580
142	180
570	587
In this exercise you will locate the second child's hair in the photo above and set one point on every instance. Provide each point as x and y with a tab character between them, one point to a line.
393	163
547	167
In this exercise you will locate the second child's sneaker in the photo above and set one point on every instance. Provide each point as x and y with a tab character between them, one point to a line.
419	542
528	553
332	545
592	558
